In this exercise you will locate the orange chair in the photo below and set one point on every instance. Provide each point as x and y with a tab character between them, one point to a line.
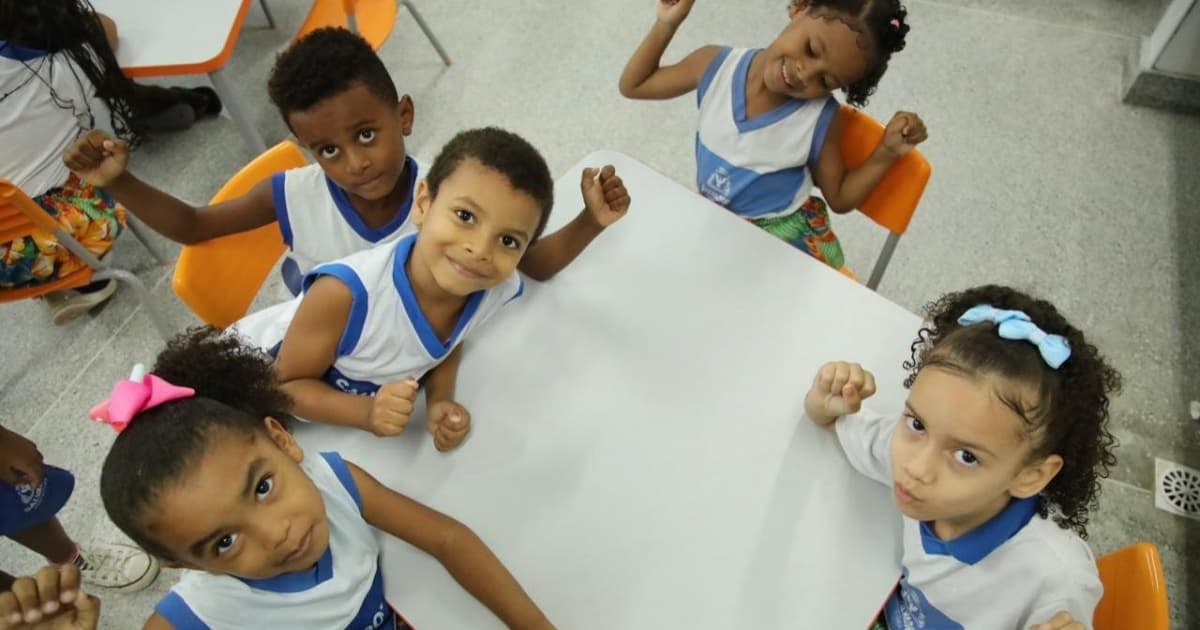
373	19
218	279
895	199
1135	590
21	216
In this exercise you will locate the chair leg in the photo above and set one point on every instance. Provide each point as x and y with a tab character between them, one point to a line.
267	13
428	33
139	231
143	295
881	263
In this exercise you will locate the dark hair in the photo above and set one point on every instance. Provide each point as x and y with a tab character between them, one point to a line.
73	27
504	152
325	63
235	390
872	19
1070	413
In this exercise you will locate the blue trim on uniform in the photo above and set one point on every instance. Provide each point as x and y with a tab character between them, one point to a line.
824	119
342	471
710	72
434	346
979	542
358	304
765	119
299	581
178	613
346	208
279	195
23	507
292	278
19	53
520	289
745	192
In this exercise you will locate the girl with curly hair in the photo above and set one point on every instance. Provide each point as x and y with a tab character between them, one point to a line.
204	475
995	462
769	127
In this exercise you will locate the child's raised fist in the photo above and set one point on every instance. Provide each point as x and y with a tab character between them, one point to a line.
674	12
604	194
97	158
904	131
392	408
837	390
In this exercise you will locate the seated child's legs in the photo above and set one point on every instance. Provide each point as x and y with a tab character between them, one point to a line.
807	229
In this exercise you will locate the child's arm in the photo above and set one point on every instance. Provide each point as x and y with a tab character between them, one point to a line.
1061	621
845	190
100	160
643	78
310	347
605	201
838	389
50	600
461	552
448	421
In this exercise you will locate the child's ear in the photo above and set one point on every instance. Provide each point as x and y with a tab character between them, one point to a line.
1035	477
796	7
421	204
284	440
405	110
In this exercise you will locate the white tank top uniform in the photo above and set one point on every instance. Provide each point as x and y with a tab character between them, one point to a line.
343	590
1014	571
756	167
319	223
387	338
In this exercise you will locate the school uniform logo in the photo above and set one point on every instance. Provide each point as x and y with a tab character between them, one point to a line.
718	186
30	497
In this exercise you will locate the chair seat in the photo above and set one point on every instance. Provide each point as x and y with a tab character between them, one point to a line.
78	278
375	18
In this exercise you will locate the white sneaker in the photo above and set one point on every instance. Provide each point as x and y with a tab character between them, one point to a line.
69	305
119	567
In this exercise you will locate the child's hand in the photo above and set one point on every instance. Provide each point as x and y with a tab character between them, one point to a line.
905	131
838	389
97	158
20	460
674	12
392	408
1061	621
605	196
449	422
51	600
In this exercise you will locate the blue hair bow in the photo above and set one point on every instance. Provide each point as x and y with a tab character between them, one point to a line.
1016	325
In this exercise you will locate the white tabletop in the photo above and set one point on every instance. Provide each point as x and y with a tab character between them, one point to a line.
638	456
172	36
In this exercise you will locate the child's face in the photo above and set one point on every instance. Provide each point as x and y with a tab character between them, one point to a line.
960	453
246	508
815	55
473	234
358	139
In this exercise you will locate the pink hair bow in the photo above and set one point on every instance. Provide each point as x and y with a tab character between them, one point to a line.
141	392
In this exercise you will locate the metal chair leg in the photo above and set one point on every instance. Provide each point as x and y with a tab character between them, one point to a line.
139	231
139	287
267	12
881	263
428	33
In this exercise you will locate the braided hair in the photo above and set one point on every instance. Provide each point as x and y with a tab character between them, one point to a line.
881	25
73	27
1069	413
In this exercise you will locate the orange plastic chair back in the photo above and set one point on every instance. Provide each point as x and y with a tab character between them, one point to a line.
21	216
374	19
218	279
895	199
1135	590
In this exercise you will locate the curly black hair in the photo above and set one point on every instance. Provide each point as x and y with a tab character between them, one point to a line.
235	390
504	152
882	26
73	27
325	63
1070	414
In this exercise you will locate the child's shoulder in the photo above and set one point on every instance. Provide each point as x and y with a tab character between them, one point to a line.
1044	548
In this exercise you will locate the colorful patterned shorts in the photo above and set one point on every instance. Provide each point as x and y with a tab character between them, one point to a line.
84	212
807	229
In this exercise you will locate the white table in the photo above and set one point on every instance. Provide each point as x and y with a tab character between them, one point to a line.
171	37
638	457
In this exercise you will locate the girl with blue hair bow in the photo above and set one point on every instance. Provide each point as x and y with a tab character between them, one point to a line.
995	462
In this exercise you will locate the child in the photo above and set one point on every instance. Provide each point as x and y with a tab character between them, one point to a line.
767	118
368	327
338	99
995	462
204	475
31	495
